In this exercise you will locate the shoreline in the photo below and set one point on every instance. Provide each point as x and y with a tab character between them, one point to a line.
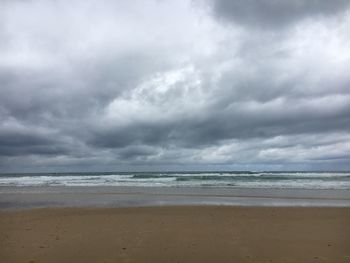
176	234
32	197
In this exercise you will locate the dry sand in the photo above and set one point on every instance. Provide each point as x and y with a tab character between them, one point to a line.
175	234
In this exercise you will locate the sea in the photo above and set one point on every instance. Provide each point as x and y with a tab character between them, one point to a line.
240	179
125	189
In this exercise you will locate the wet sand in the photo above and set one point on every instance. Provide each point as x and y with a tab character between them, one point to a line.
114	196
176	234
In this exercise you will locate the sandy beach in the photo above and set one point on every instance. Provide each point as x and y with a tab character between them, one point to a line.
175	234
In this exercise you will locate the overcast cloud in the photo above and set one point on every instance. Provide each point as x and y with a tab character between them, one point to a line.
93	85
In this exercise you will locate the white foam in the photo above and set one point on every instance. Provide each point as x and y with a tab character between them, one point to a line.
257	180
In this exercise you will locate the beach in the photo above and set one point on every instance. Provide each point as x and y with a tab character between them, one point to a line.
113	196
173	224
176	234
199	131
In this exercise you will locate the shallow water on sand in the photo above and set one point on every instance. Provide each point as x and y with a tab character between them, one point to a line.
114	196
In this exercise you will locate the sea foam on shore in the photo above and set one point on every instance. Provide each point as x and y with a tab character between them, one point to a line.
272	180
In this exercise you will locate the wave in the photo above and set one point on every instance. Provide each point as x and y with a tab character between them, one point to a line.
297	180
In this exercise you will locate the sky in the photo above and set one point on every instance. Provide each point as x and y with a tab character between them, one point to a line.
105	85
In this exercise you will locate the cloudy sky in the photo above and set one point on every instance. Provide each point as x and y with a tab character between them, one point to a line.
103	85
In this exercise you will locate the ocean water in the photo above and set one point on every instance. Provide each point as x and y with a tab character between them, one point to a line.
269	180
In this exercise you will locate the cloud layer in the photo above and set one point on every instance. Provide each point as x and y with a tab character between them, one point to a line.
272	14
112	85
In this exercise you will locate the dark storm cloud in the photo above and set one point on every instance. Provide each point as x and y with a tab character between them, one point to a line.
136	152
19	144
20	140
115	84
238	121
275	14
